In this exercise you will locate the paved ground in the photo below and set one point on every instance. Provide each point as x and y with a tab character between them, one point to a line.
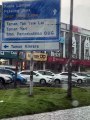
82	113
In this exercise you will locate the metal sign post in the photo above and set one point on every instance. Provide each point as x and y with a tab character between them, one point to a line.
69	92
15	79
31	75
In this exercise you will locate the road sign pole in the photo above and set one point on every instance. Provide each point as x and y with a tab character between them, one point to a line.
69	92
15	79
31	74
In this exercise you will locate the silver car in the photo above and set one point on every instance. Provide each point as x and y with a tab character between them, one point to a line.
4	78
75	77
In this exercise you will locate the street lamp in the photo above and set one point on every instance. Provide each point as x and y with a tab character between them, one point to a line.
69	92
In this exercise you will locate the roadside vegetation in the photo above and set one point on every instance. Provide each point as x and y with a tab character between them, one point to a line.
17	102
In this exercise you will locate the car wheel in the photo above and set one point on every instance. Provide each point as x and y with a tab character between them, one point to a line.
57	81
42	82
79	81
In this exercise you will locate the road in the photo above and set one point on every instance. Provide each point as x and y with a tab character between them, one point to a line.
81	113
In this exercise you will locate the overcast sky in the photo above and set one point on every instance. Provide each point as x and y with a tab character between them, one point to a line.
81	13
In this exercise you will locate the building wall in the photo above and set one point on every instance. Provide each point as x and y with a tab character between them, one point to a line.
80	47
80	42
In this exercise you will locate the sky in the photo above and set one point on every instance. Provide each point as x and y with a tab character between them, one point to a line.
81	12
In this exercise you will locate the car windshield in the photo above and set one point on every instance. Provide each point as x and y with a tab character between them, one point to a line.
49	73
88	74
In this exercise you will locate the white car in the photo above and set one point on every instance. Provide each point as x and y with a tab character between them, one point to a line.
6	78
75	77
57	79
37	77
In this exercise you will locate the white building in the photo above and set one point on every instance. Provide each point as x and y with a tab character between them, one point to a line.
80	49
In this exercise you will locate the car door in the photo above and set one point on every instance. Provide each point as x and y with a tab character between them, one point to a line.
26	74
64	77
36	77
74	77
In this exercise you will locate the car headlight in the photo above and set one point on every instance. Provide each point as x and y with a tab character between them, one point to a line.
7	78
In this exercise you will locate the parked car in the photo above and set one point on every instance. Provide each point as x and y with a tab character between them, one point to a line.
37	77
85	74
20	79
57	79
11	67
75	77
4	78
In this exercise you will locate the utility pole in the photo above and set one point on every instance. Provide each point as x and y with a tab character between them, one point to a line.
31	74
15	79
69	92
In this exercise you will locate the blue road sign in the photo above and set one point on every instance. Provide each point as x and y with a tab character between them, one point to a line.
62	39
29	23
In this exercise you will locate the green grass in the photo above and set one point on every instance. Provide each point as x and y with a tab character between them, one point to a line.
17	102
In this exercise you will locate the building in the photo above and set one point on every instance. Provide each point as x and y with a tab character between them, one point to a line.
80	50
